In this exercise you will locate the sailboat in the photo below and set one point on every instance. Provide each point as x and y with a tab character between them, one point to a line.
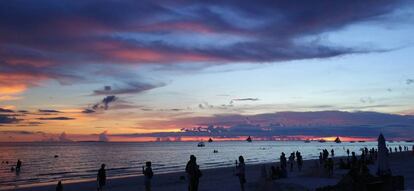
337	140
210	140
249	139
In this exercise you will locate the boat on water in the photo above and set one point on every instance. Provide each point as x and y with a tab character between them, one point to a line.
249	139
307	141
321	140
201	144
352	141
210	140
361	141
337	140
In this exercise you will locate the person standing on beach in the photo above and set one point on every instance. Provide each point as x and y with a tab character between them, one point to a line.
101	177
18	165
332	153
193	173
59	186
299	161
240	172
283	162
347	152
147	171
291	161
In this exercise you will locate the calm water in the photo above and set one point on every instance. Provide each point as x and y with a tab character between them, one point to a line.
81	160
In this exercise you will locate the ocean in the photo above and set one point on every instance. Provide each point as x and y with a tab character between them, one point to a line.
81	160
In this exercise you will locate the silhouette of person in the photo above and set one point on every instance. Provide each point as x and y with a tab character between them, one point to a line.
291	161
59	186
283	162
240	172
101	177
147	171
400	148
347	152
332	153
18	166
299	161
193	173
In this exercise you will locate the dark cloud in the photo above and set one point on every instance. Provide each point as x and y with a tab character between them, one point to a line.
246	99
88	111
321	123
243	99
55	118
2	110
6	119
49	40
129	88
104	104
107	100
48	111
23	132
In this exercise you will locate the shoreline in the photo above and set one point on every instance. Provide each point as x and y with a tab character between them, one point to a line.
214	177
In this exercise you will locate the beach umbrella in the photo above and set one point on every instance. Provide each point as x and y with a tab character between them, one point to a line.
382	161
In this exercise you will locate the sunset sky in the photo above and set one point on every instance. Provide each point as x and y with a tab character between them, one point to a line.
120	69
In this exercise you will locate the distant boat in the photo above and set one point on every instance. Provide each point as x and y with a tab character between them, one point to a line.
321	140
361	141
352	141
409	141
307	141
201	144
249	139
337	140
210	140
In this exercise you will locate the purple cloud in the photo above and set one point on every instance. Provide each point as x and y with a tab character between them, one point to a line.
44	40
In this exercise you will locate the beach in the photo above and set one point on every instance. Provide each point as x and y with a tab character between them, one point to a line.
223	179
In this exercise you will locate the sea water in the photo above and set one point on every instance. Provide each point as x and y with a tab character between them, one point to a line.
81	160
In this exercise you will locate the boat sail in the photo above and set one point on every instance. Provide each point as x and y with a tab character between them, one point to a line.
337	140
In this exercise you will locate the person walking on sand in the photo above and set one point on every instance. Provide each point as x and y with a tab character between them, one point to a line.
59	186
332	153
193	173
101	177
147	171
240	172
347	152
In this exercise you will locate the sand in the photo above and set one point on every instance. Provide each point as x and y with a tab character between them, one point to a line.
222	179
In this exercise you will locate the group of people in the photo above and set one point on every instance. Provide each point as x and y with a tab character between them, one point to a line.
280	171
399	148
192	169
15	168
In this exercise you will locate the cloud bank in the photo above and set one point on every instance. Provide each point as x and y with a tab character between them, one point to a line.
43	40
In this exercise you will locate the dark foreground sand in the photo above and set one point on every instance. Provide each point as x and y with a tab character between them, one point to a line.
222	179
